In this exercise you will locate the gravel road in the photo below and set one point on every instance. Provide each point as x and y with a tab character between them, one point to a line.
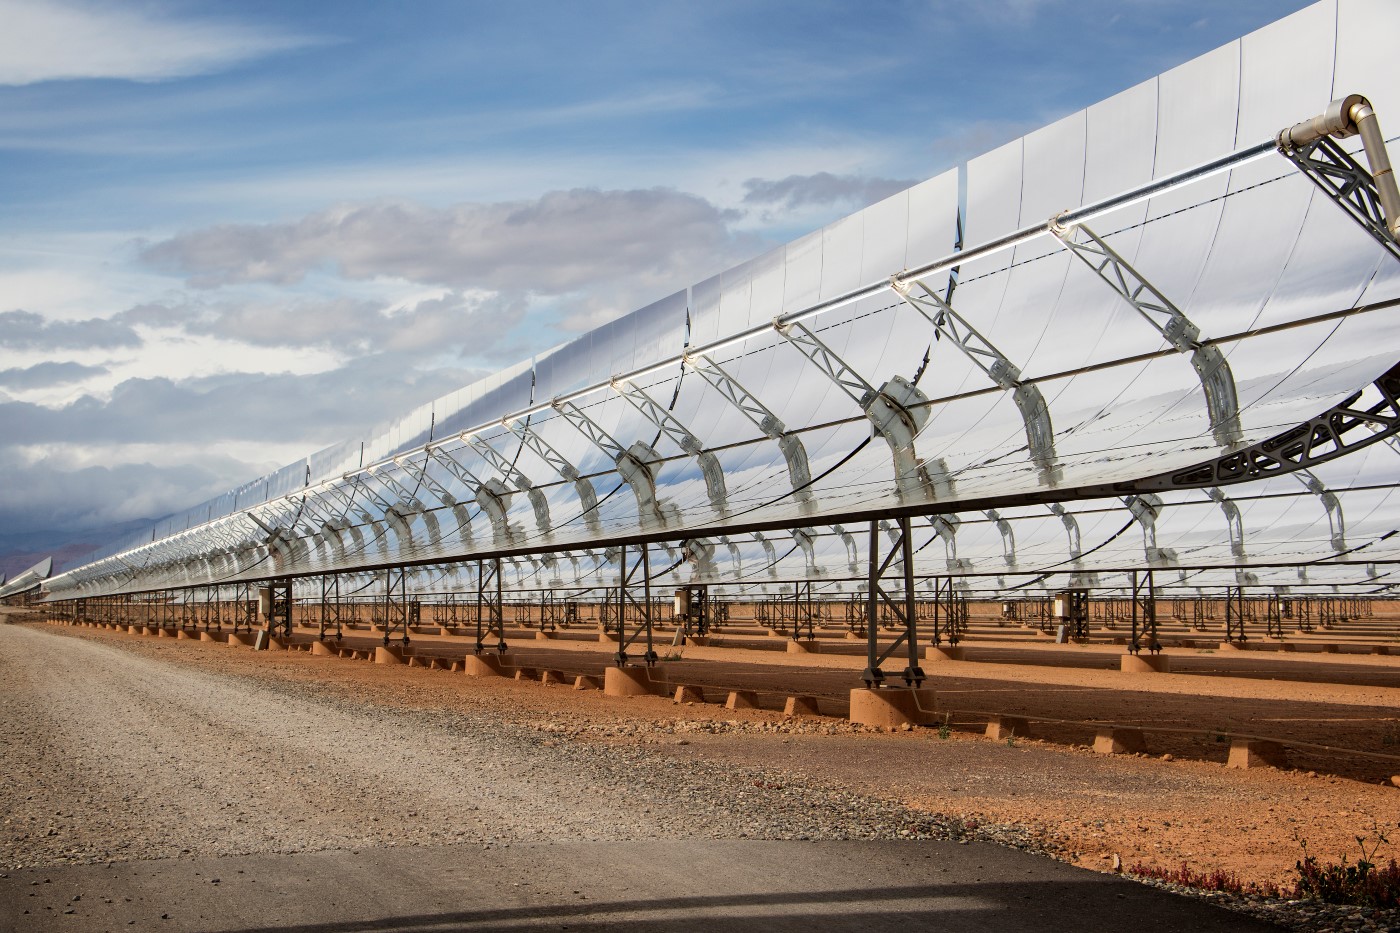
114	756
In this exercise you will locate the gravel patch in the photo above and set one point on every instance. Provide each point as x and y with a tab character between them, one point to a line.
114	755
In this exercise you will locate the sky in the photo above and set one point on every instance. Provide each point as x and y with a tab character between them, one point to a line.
232	234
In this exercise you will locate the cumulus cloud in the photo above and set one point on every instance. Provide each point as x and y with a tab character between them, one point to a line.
45	40
25	330
451	321
250	407
554	245
820	190
43	375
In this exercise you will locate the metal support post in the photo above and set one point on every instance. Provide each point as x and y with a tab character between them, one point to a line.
330	605
1234	613
1273	617
1144	613
280	608
802	610
901	606
625	599
489	618
396	612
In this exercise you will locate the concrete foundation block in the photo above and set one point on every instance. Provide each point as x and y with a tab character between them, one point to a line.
803	646
801	706
324	649
698	641
1233	646
685	694
482	665
1327	649
741	699
607	638
526	673
241	639
1287	646
216	637
1145	664
552	677
892	707
133	630
945	653
186	635
627	682
586	682
852	636
1000	728
1256	753
1380	649
389	654
1111	740
163	632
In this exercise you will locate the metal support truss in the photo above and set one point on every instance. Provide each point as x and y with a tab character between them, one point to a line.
1274	611
898	410
421	476
519	480
635	464
331	608
1008	537
1346	183
948	612
1073	540
1144	614
489	618
763	418
1234	521
1234	613
1040	432
400	506
492	495
587	495
628	583
1364	418
245	607
279	608
1336	519
668	424
803	611
396	605
189	618
1145	509
900	603
1217	380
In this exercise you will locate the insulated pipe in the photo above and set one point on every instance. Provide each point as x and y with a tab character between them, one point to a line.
1350	116
1370	129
